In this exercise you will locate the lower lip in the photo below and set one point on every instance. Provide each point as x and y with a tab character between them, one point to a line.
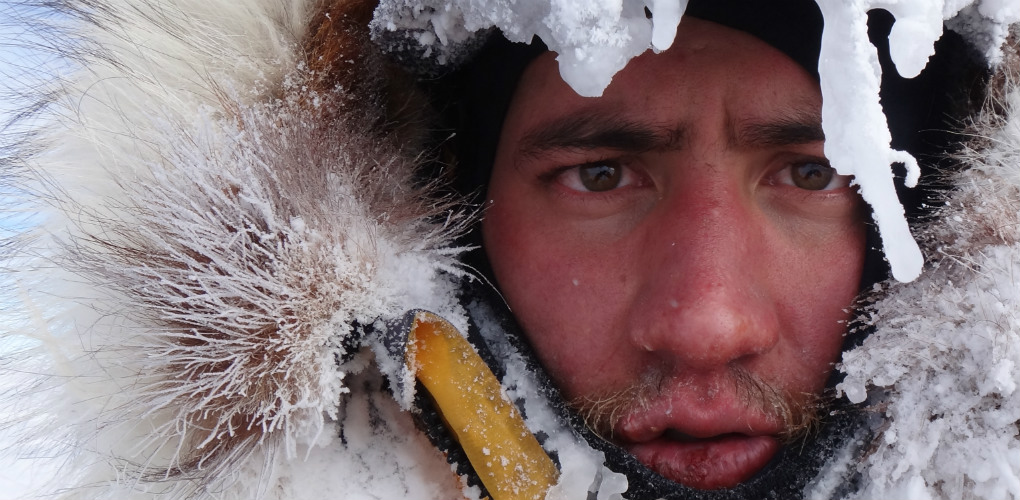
707	464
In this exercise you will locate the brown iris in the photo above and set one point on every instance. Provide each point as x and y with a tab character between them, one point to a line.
600	176
812	176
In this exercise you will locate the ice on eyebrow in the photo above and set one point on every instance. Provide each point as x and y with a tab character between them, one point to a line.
595	40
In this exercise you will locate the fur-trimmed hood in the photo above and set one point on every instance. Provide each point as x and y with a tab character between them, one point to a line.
225	208
215	220
941	365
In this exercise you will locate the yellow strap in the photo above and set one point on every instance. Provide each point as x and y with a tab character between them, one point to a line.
503	452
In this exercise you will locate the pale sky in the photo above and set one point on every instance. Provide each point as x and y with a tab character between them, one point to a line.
19	63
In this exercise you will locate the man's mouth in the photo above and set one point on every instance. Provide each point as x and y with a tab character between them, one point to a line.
699	441
721	461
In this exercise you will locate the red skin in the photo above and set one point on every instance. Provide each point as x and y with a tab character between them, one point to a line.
705	261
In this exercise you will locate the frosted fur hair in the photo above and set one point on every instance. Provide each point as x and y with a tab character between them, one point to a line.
219	220
943	362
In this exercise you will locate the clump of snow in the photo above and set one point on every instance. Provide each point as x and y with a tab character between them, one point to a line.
374	452
943	362
594	40
944	369
986	25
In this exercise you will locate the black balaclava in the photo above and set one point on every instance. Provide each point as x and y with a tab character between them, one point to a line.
918	110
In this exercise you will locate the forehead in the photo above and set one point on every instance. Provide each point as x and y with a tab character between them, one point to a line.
709	69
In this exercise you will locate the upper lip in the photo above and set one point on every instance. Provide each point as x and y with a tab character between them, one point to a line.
686	420
706	446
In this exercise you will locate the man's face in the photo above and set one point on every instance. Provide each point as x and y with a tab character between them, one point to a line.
678	251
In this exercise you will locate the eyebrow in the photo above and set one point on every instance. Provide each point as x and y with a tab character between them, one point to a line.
784	131
587	130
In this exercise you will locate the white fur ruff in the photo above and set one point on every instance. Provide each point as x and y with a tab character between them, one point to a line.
206	246
942	367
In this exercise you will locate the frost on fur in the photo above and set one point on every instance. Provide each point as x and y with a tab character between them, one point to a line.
249	261
229	297
943	362
215	228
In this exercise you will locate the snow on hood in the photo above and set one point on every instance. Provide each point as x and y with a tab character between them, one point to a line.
596	38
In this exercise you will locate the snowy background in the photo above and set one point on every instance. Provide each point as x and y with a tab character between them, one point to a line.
21	66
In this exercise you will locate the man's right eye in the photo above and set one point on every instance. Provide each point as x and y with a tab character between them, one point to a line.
596	177
600	177
812	175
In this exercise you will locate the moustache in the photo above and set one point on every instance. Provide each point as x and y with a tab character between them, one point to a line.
798	413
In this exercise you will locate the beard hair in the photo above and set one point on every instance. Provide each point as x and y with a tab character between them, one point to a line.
799	413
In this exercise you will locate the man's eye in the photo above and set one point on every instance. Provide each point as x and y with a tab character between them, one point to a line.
596	177
816	177
600	177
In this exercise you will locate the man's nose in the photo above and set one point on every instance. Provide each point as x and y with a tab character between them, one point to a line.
706	299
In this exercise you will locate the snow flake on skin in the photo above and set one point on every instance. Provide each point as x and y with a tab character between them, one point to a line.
614	31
